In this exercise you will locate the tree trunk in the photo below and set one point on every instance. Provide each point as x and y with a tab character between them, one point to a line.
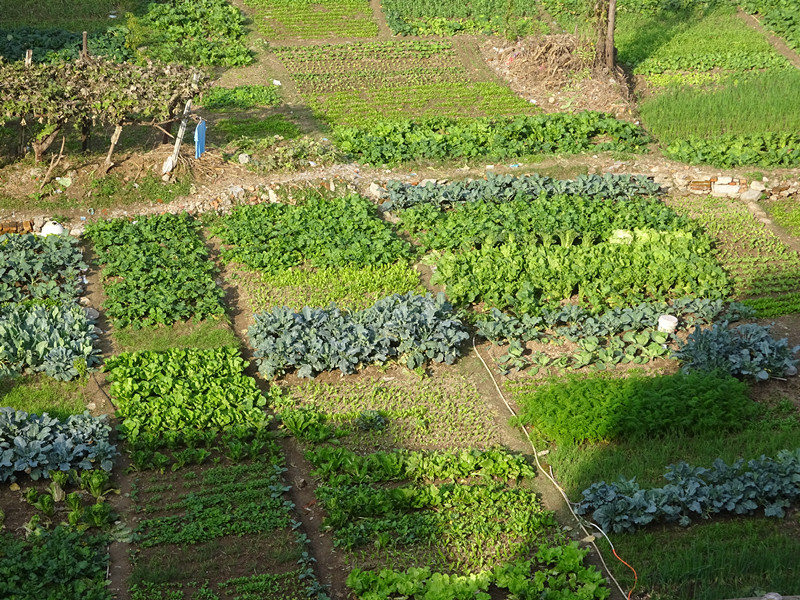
41	146
605	16
86	131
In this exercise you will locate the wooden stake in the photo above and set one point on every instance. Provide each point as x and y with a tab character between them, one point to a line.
28	58
85	51
53	164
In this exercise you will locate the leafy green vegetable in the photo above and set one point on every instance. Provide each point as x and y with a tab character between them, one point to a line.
36	445
47	267
771	484
321	231
396	141
58	340
181	390
413	328
162	252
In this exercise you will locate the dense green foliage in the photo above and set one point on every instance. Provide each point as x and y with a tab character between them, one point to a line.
781	16
163	252
764	270
182	390
320	231
54	565
350	288
172	32
448	502
56	45
748	350
625	335
46	267
550	219
692	39
598	408
765	150
415	329
57	340
626	268
339	466
241	97
395	141
505	188
771	484
556	572
34	445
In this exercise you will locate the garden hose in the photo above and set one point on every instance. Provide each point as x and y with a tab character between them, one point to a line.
561	491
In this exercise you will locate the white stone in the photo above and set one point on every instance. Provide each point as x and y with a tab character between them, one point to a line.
273	197
375	190
52	228
724	180
757	185
751	195
91	313
724	190
76	231
244	158
425	182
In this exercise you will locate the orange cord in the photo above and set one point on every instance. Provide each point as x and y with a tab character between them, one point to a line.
635	576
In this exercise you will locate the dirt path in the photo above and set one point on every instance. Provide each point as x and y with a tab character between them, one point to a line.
384	32
777	43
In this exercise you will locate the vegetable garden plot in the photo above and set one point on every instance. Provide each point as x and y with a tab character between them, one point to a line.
439	511
621	336
778	16
437	412
40	267
524	257
413	329
57	340
319	231
348	84
181	395
500	137
314	19
765	272
416	17
235	528
163	253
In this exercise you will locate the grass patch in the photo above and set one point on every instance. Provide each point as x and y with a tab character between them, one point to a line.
692	41
733	559
416	414
351	288
256	129
41	394
746	105
204	335
241	97
313	19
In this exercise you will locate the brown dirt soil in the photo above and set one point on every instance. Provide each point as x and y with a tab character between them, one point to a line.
553	72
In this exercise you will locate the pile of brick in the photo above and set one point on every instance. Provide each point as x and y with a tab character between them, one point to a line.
16	227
